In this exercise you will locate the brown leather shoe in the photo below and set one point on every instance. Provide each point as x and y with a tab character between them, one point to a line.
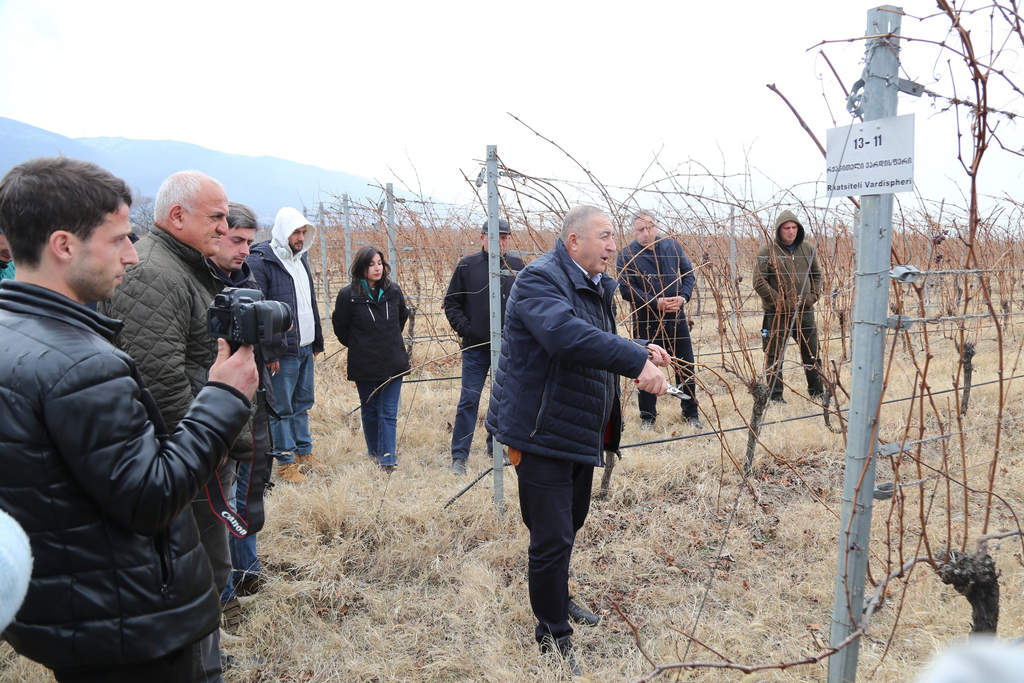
290	473
310	462
231	616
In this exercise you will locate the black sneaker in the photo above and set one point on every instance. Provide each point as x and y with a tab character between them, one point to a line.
459	467
694	422
564	648
247	587
582	615
647	424
778	401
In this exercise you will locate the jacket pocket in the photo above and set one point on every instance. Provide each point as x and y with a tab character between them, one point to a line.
542	411
166	567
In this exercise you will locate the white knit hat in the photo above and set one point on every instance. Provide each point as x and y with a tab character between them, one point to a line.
15	568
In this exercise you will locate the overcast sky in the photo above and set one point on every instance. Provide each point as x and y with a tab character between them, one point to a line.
399	89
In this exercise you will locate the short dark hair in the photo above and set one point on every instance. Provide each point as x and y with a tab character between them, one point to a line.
241	216
44	195
362	262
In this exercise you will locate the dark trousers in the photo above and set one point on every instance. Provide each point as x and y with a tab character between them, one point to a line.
175	667
774	327
213	534
476	363
680	347
244	563
554	496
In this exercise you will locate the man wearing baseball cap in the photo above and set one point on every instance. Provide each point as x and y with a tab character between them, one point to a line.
467	305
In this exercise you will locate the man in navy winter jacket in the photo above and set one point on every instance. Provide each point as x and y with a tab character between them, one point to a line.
555	403
281	268
657	281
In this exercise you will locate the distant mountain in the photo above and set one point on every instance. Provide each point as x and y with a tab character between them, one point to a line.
264	183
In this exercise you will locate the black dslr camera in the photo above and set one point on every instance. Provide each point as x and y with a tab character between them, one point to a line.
243	316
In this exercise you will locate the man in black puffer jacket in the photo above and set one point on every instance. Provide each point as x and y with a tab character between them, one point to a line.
121	587
555	403
467	305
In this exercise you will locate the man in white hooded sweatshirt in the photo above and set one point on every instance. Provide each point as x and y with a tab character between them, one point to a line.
281	269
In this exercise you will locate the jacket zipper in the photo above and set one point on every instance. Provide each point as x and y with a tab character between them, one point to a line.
541	412
607	387
165	566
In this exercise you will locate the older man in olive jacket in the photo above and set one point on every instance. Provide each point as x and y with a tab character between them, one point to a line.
163	303
788	280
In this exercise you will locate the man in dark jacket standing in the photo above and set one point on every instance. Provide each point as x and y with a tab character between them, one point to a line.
657	281
121	587
788	280
467	306
555	403
248	467
281	268
164	301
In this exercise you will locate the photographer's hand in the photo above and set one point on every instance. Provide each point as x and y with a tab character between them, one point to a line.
236	369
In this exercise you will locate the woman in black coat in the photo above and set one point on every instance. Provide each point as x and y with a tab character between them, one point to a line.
369	317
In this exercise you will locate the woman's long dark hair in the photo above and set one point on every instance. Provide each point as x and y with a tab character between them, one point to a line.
361	263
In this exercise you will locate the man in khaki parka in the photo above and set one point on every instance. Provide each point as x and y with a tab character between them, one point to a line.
788	280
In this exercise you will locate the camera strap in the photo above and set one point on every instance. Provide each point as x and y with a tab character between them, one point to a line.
242	521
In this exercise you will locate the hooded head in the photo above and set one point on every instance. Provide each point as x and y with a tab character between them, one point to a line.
786	217
284	240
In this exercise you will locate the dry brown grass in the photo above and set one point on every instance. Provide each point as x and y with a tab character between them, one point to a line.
371	581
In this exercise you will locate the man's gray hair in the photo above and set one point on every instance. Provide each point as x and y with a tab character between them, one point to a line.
180	189
241	216
637	215
577	219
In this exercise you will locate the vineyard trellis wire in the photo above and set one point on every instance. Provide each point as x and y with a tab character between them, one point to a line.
431	237
968	296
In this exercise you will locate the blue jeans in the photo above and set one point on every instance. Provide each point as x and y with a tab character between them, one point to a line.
476	363
244	563
379	409
293	394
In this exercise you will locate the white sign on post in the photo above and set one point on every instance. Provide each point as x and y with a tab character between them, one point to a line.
874	157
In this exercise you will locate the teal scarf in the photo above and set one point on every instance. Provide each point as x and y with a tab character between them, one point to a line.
366	288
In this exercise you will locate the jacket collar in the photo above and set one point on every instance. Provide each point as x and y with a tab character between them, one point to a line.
639	251
188	255
267	253
26	299
359	292
239	278
577	276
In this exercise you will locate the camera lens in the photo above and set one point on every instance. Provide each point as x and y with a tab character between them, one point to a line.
279	315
